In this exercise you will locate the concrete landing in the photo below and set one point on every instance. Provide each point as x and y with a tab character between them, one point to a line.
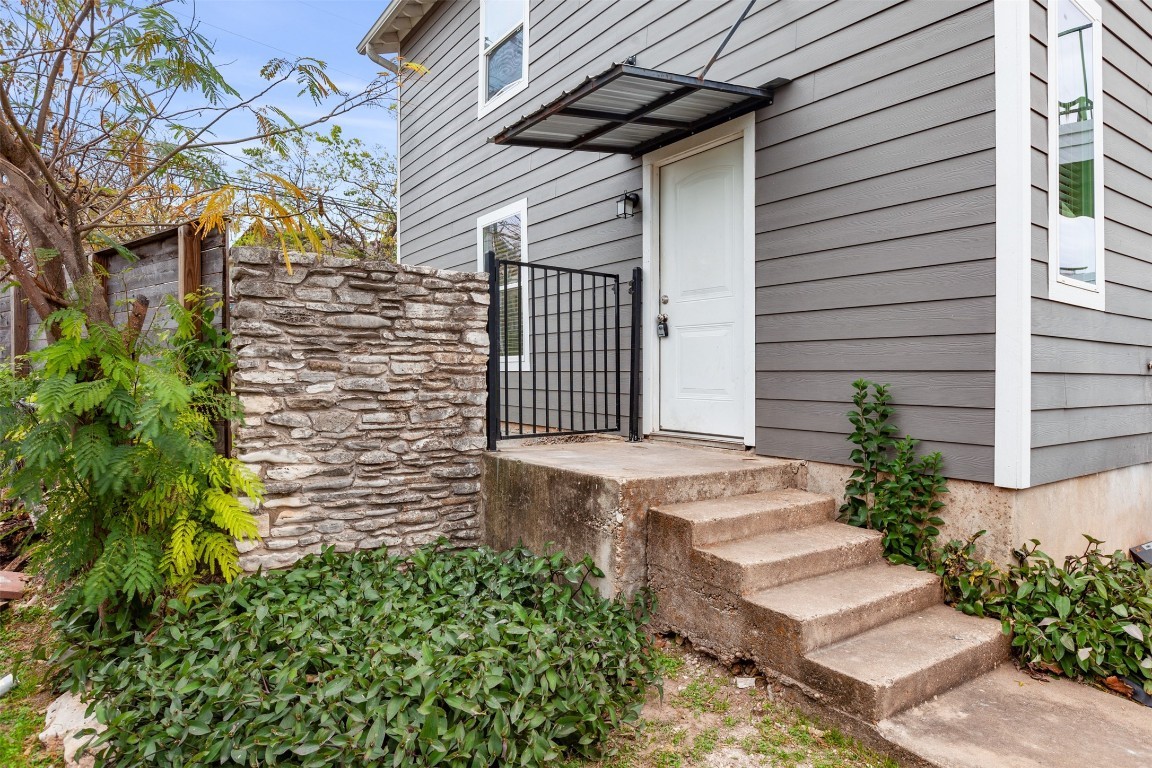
1006	719
621	461
593	498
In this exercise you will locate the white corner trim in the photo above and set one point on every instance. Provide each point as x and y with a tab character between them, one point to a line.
743	128
1013	420
399	171
1061	288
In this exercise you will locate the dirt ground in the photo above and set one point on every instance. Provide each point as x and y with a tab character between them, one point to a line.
703	719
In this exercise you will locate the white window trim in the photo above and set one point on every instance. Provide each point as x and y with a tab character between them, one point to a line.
523	362
487	105
1061	288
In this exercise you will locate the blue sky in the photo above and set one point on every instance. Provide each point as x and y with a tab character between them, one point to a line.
248	33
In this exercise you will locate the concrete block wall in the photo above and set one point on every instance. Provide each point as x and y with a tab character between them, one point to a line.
363	384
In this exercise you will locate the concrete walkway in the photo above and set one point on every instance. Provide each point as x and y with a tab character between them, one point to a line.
1005	719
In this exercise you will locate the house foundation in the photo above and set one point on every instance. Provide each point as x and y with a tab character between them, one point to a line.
1115	506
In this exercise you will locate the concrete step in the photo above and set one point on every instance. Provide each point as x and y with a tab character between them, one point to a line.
756	563
737	517
820	611
905	662
593	498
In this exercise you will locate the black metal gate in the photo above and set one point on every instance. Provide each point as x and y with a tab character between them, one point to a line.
556	356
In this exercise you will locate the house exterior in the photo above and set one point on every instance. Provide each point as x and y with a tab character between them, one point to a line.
895	209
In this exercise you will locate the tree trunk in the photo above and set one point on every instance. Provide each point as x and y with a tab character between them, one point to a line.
136	316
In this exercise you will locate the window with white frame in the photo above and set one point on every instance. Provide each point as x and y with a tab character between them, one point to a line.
504	233
503	50
1076	153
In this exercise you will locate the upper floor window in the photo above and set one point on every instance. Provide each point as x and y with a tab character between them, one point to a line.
1076	154
503	51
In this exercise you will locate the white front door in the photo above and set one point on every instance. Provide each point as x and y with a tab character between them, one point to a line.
701	360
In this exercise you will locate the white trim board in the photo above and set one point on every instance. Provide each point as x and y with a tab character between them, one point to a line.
1013	420
742	128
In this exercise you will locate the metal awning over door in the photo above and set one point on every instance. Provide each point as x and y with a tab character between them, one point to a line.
631	110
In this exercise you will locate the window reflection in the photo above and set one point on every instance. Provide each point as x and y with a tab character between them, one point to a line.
506	63
1075	87
503	27
503	238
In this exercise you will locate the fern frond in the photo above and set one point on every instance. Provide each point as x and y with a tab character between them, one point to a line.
120	405
230	515
89	395
106	574
181	551
92	451
218	552
53	393
45	443
140	573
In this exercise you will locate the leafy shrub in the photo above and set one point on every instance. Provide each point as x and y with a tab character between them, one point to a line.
1090	617
115	439
892	490
973	586
466	658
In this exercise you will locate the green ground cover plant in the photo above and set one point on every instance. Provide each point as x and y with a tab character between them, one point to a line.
112	438
452	658
1090	617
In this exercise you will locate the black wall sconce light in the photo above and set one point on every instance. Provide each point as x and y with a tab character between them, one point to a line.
628	205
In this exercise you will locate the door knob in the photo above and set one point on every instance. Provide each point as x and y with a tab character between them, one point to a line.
662	326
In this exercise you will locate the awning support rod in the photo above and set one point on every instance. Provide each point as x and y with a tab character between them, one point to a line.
724	42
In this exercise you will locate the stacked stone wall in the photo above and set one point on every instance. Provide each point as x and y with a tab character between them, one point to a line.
363	385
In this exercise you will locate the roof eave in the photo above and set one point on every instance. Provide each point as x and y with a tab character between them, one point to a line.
393	25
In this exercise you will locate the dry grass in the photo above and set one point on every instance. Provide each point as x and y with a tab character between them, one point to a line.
704	720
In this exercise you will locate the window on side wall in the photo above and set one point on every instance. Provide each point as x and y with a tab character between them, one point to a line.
1076	154
504	233
503	51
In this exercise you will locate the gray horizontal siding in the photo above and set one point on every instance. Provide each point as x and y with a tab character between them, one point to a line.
877	260
874	210
925	388
1091	392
